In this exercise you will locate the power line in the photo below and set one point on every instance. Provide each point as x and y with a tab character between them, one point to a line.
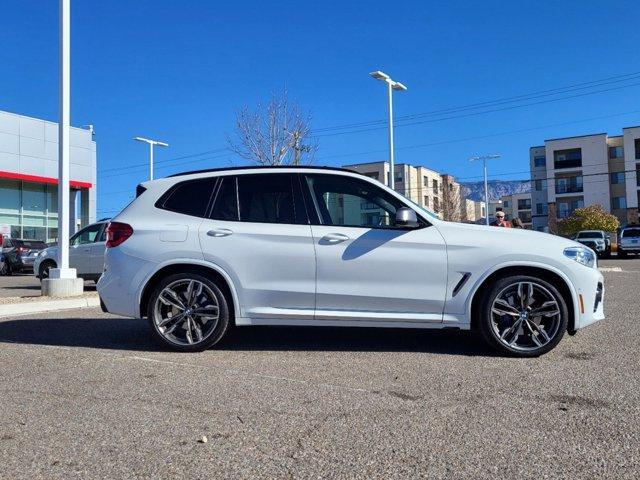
146	164
452	117
537	94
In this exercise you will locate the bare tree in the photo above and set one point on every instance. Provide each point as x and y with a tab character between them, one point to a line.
275	134
452	200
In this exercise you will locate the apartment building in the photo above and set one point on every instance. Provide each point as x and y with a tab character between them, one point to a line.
439	193
573	172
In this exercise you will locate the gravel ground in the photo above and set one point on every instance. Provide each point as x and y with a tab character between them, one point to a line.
88	395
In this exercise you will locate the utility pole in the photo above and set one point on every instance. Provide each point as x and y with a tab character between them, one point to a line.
484	159
151	143
391	86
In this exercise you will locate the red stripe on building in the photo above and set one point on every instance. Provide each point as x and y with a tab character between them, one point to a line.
38	179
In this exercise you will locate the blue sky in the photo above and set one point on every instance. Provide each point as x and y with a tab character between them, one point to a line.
178	71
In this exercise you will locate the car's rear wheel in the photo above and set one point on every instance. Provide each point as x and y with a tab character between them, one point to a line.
45	266
188	312
523	316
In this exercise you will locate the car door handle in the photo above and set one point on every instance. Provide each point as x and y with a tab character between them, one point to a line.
335	237
219	232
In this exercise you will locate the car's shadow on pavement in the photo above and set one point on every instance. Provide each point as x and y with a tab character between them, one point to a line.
133	335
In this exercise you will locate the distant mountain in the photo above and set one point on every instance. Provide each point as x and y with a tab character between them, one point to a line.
497	188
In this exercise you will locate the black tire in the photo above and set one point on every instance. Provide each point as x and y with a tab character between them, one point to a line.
622	254
4	269
485	317
212	337
43	271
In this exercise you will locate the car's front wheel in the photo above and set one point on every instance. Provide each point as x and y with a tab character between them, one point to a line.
523	316
188	312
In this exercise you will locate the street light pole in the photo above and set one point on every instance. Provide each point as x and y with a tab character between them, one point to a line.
151	143
62	281
391	86
484	159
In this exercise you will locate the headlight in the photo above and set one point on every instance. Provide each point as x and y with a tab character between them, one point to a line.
582	255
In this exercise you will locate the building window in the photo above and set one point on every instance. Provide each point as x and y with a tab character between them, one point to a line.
367	206
434	186
524	204
637	145
506	204
540	161
425	181
617	177
569	184
373	175
426	201
540	185
616	152
542	209
565	209
618	203
571	158
525	217
436	205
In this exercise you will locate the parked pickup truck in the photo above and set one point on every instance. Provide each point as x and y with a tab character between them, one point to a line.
596	240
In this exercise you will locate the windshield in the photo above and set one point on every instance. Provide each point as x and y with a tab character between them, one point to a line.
631	233
590	235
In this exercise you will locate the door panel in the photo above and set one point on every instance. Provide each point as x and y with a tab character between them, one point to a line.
380	274
271	260
367	269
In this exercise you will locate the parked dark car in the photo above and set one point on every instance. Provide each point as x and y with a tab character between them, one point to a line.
19	254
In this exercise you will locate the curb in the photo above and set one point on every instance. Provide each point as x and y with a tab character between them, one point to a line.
27	308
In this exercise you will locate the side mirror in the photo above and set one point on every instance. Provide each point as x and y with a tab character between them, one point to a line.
406	218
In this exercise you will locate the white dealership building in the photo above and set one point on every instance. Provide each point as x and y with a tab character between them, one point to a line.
29	177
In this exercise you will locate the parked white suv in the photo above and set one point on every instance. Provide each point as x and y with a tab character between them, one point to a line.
199	252
629	240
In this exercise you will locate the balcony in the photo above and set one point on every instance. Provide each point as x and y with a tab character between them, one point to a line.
569	185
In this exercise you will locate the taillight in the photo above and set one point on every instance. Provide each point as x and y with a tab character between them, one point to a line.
117	233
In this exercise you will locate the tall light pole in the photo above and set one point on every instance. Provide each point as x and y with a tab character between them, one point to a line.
151	143
484	159
62	281
391	85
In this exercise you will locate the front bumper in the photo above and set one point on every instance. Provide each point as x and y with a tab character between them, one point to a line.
589	289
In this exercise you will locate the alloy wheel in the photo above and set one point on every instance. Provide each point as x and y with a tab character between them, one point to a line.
525	316
186	312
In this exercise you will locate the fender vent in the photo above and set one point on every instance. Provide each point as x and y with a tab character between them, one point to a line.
460	284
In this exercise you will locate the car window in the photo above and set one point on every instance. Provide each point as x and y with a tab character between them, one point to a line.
6	243
103	233
590	235
226	202
350	202
268	198
86	235
631	233
189	198
264	198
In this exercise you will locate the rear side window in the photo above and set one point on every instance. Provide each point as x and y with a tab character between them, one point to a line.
189	198
265	198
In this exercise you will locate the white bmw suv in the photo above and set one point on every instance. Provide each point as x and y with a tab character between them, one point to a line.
198	253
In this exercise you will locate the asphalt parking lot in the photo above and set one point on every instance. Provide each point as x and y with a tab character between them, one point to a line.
88	395
27	285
